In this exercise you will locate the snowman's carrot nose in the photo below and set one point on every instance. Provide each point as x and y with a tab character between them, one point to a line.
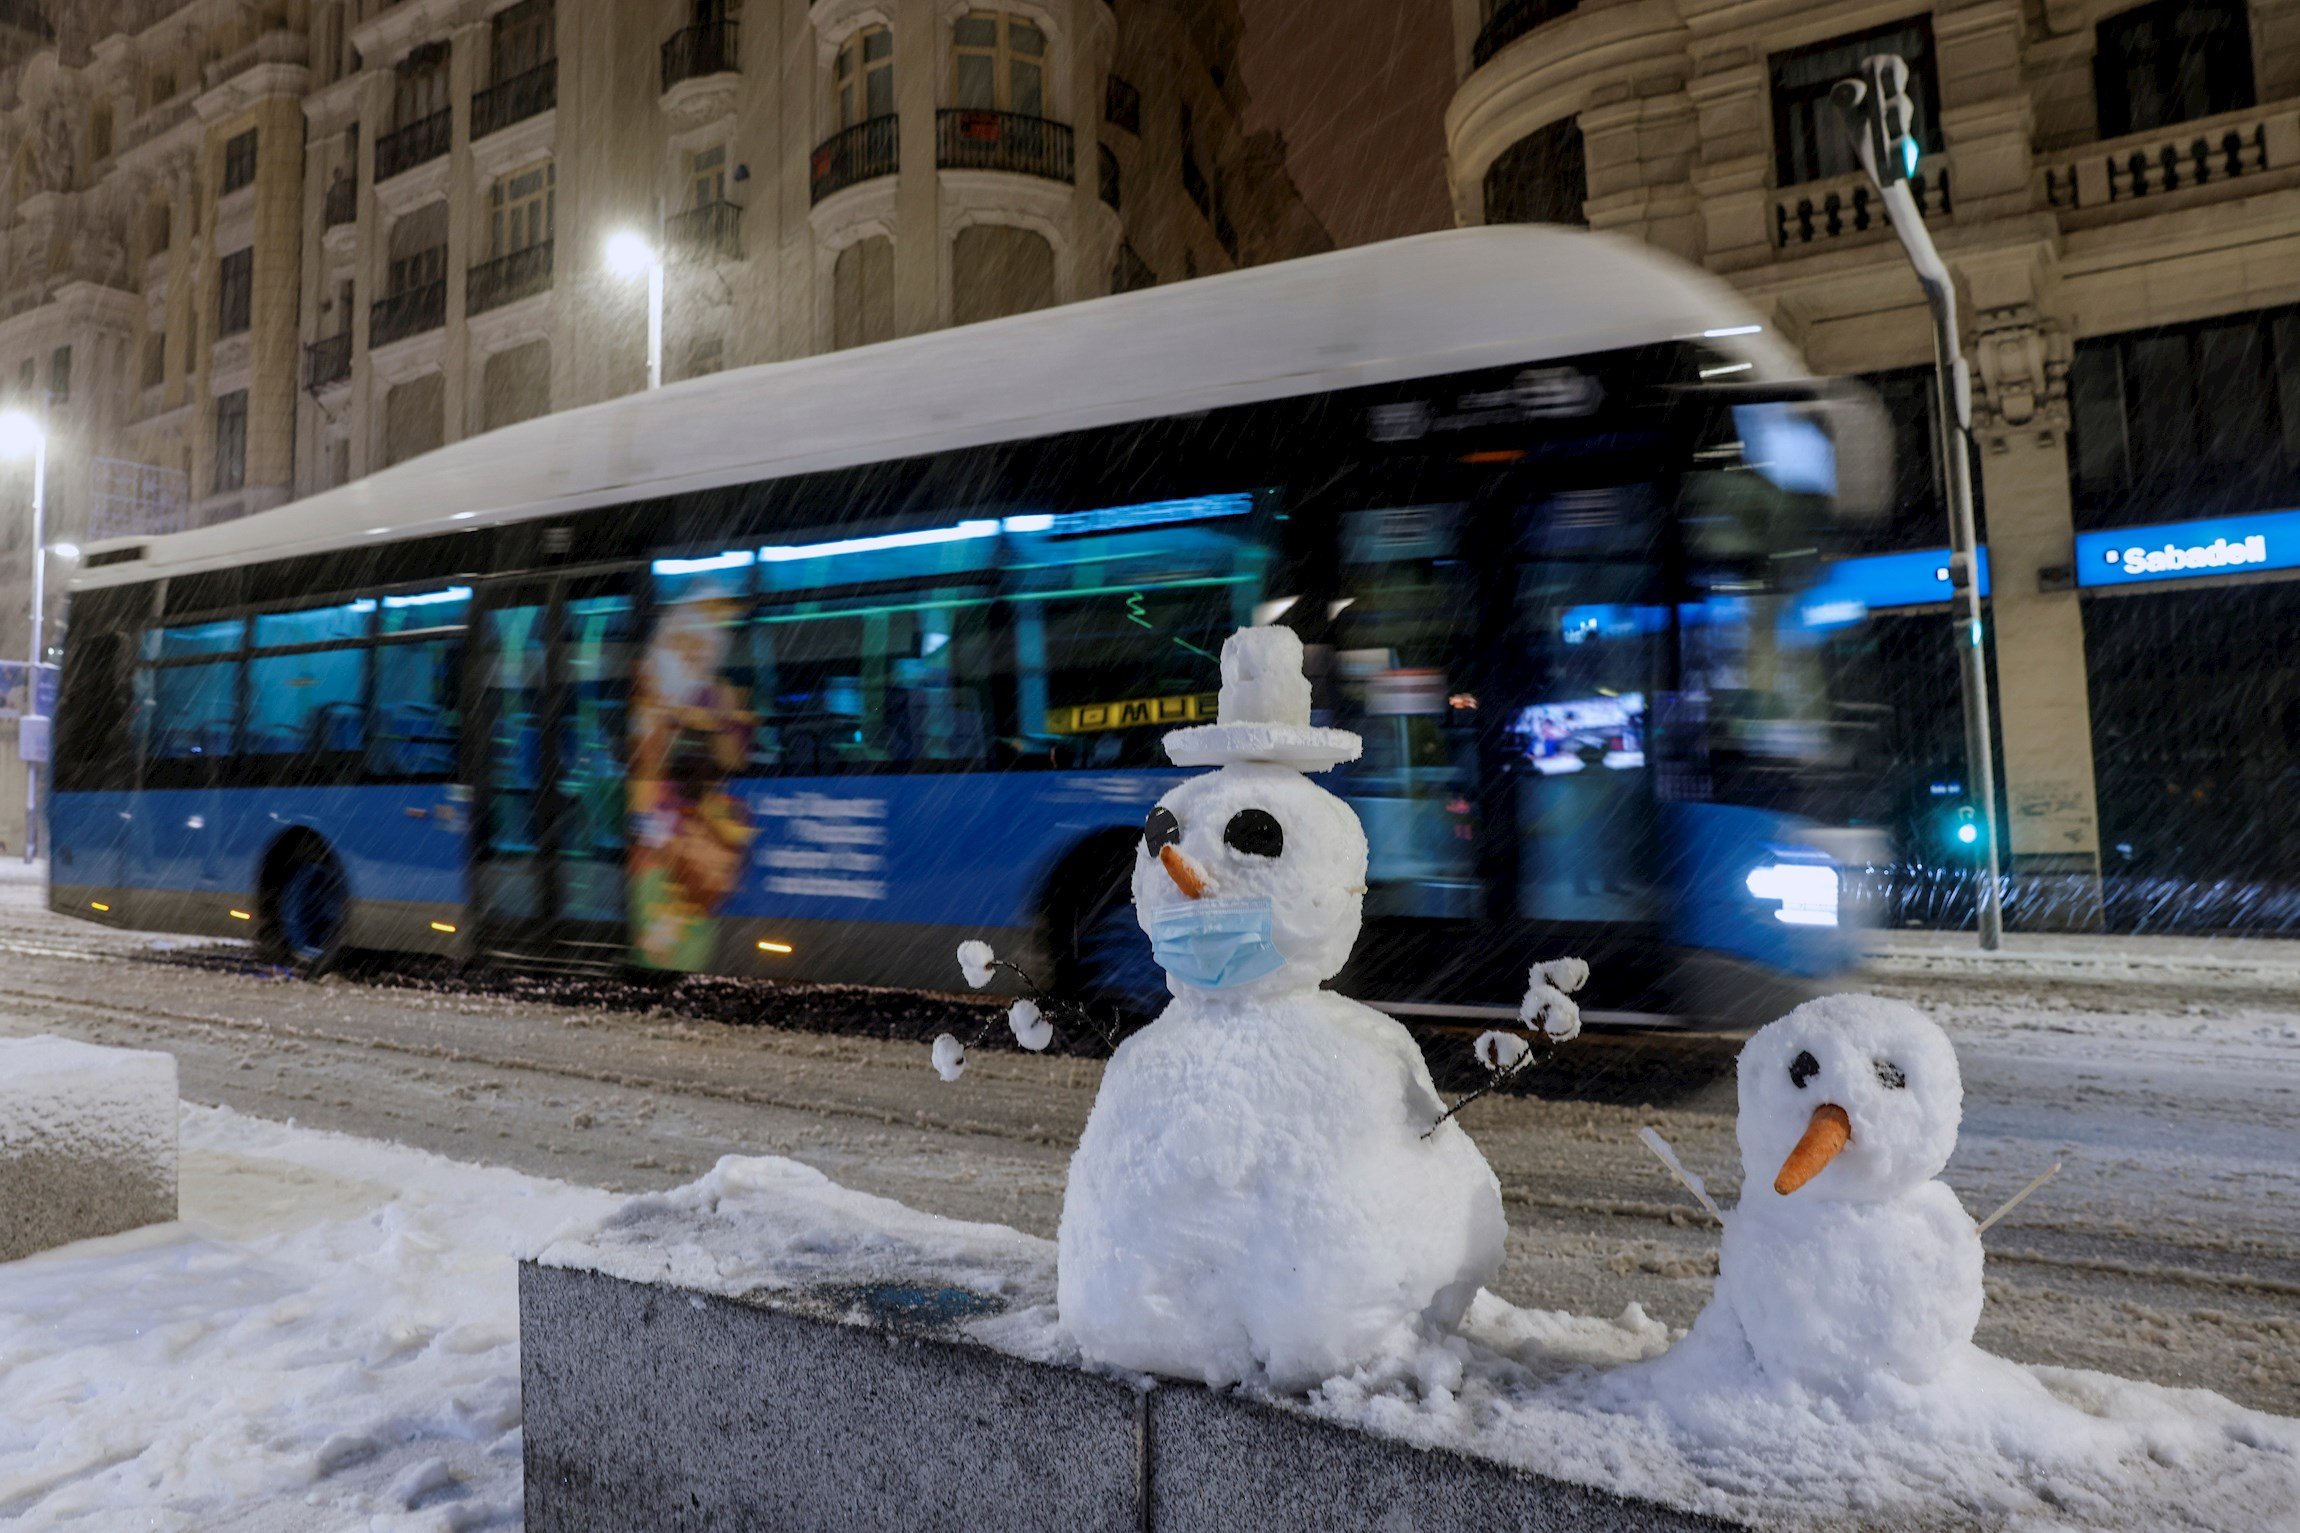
1829	1132
1185	874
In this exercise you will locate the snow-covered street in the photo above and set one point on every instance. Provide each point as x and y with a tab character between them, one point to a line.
2165	1075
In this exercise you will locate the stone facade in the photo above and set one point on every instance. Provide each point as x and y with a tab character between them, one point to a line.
2056	231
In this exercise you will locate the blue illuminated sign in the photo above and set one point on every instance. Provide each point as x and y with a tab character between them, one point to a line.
1851	589
2220	545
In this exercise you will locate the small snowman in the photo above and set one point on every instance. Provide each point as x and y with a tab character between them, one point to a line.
1259	1194
1847	1262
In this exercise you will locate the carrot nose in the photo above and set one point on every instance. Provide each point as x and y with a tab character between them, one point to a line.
1829	1132
1185	873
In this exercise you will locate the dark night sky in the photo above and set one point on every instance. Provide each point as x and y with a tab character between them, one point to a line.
1359	87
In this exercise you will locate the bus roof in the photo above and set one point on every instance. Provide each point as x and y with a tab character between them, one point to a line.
1434	303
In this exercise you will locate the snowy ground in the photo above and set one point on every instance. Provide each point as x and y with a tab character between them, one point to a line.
2165	1073
328	1339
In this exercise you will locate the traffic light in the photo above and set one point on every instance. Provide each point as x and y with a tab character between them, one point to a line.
1883	120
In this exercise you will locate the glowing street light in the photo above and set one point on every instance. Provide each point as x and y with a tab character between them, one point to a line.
628	256
22	436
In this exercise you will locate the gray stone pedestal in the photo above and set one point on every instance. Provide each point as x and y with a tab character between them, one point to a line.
853	1409
87	1142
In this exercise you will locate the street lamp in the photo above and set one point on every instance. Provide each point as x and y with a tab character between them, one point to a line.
628	255
21	436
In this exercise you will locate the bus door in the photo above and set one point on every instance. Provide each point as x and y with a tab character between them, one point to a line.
548	766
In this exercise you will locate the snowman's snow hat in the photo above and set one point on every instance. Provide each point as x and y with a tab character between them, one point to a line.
1264	714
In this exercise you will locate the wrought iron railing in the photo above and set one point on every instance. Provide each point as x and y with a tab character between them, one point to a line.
707	48
341	203
396	316
1511	20
868	149
966	139
713	230
529	93
327	360
508	278
422	140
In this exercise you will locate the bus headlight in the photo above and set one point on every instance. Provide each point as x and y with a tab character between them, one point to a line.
1807	891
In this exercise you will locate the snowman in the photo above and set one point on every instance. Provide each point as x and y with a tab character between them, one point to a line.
1846	1262
1259	1194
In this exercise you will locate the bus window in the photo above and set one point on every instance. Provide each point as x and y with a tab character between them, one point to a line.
184	712
1590	624
1118	639
305	703
899	682
345	622
189	641
1403	632
418	717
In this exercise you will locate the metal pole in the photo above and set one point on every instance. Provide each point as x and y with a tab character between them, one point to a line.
655	322
1953	394
39	604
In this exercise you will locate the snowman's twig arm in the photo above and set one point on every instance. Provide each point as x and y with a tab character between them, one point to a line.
1499	1076
2013	1202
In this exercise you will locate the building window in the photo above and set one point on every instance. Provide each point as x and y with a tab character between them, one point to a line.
100	132
1543	178
862	293
2172	62
155	359
2186	421
521	209
235	291
998	64
420	88
1122	105
1809	141
60	376
1194	174
159	224
231	441
162	87
864	76
1130	273
706	176
240	161
523	40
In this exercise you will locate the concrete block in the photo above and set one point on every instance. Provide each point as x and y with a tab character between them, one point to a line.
87	1142
657	1408
1219	1464
851	1407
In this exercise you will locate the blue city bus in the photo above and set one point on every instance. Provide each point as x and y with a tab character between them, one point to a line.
811	670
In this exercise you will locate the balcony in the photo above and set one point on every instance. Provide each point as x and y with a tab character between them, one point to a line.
402	149
965	139
713	231
528	94
869	149
1826	214
1511	20
508	278
341	203
327	361
396	316
707	48
2149	167
280	47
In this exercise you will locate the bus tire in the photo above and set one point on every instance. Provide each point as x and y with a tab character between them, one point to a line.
306	907
1101	954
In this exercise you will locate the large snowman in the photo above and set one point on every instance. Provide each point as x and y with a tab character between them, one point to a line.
1847	1263
1254	1197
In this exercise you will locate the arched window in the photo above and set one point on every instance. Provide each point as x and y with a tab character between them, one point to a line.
998	64
1540	179
863	76
997	270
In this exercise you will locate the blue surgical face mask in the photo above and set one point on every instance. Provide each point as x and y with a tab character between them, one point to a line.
1215	944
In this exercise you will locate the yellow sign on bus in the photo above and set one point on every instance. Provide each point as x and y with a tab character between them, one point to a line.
1135	713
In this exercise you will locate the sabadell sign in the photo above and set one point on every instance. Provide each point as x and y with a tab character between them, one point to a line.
2187	550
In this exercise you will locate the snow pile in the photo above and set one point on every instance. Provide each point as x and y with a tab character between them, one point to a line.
329	1340
67	1106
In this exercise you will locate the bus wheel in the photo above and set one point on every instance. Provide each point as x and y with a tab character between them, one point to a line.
307	912
1102	955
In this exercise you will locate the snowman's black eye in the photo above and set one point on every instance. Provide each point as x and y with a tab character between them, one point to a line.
1161	830
1803	1068
1891	1074
1255	832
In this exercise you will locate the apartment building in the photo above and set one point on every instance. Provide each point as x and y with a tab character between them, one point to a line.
250	249
2117	188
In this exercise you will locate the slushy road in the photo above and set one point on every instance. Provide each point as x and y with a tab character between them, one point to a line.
2164	1074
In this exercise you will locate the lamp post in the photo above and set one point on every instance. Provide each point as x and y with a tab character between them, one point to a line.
628	255
20	434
